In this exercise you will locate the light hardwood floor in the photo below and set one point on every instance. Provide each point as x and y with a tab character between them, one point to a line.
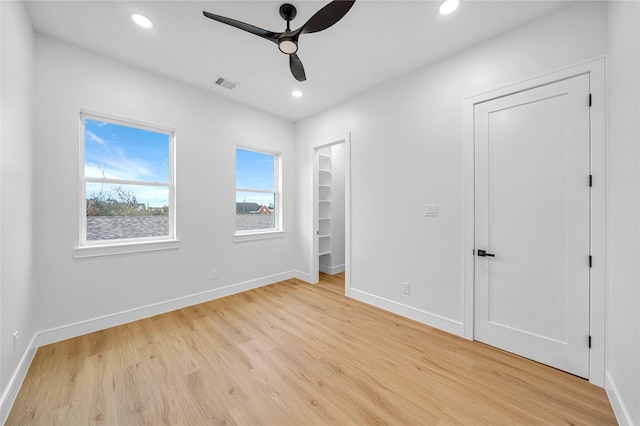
293	353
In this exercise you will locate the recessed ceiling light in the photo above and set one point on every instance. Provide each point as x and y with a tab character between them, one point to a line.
448	6
142	20
296	93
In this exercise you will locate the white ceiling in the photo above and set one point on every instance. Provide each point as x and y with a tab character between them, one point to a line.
375	42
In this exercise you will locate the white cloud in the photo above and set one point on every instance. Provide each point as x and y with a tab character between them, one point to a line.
118	166
95	138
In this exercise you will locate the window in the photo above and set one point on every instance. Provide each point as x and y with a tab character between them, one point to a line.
127	187
257	192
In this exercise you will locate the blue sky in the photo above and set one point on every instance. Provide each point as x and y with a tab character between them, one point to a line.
120	152
125	152
254	170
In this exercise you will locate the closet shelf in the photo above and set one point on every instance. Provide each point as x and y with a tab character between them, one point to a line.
325	180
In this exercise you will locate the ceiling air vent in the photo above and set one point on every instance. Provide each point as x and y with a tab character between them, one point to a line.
226	83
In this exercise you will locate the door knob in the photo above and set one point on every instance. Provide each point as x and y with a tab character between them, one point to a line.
483	253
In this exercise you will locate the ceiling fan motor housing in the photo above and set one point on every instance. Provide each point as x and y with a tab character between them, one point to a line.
288	12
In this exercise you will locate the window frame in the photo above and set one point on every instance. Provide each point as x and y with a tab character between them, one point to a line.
92	248
260	234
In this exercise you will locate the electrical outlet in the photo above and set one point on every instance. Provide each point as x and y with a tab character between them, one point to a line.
15	340
431	210
214	274
406	288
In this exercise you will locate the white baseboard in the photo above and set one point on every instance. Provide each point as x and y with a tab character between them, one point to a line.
100	323
619	409
13	387
433	320
303	276
331	269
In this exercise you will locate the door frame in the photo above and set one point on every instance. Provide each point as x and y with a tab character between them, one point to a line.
596	71
315	261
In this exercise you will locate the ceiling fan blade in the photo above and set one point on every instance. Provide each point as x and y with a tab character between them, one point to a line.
296	67
269	35
327	16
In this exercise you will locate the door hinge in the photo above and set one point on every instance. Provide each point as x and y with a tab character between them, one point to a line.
590	261
589	341
590	100
590	180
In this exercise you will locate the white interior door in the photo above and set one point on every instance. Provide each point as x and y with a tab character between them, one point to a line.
532	207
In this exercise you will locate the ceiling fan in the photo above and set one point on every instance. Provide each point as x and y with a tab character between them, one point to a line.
287	40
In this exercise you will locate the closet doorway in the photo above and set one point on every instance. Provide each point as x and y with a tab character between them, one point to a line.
331	208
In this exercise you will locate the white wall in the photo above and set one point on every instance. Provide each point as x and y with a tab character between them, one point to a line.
623	321
208	127
406	151
16	208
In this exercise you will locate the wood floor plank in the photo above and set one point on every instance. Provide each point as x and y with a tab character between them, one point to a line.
294	354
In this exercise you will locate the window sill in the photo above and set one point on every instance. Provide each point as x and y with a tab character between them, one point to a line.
252	236
124	248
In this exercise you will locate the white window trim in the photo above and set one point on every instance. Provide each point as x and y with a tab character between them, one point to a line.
124	248
253	235
129	245
263	234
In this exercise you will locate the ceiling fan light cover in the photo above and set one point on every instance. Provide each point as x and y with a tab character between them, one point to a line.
288	46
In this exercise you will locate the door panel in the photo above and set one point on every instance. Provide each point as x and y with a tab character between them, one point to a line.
532	212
